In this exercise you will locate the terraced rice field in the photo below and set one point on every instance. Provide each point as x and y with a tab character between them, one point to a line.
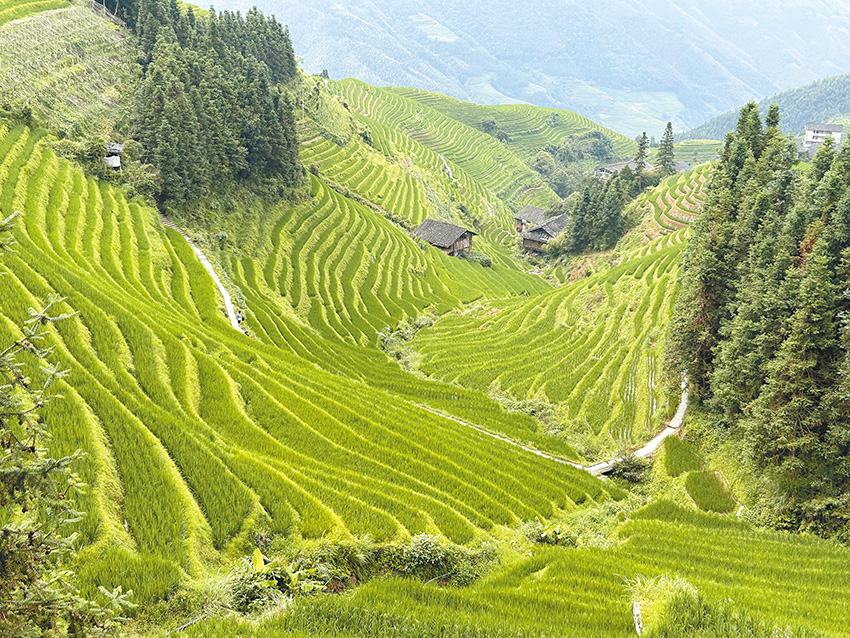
197	434
530	128
592	348
16	9
480	155
785	580
698	151
72	67
674	203
349	273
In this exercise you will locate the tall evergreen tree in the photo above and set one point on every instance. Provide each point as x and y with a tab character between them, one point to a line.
666	153
640	158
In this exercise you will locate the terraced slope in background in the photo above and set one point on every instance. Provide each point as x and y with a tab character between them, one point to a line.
529	128
198	435
592	348
16	9
480	155
72	67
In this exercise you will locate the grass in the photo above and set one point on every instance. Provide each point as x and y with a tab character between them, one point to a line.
591	349
709	491
680	457
11	10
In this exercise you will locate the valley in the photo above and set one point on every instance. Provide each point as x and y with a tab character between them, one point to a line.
299	419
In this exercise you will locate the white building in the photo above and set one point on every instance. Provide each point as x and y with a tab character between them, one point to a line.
817	133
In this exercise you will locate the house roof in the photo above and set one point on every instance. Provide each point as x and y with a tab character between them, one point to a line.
679	166
114	148
549	229
440	234
829	128
530	214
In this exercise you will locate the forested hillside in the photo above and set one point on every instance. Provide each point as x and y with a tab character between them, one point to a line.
760	324
825	101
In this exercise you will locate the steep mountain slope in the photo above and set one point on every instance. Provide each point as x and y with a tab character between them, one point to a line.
199	436
826	100
630	65
73	68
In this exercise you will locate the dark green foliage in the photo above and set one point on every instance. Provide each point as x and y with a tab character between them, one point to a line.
680	457
666	153
709	492
760	323
631	468
211	109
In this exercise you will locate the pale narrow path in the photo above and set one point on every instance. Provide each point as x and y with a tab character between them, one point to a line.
228	302
599	468
448	168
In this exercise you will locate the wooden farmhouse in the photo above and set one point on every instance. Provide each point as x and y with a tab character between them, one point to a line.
447	237
535	239
528	217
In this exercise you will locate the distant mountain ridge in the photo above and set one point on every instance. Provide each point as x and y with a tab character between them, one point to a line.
826	101
628	65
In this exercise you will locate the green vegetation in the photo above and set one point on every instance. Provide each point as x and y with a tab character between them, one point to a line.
826	100
758	327
17	9
272	448
709	491
361	438
72	68
680	457
211	110
592	349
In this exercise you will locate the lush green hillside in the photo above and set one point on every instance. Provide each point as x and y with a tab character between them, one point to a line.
527	129
302	438
826	100
481	156
198	436
72	67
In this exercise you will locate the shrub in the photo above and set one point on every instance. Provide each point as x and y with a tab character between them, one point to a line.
630	468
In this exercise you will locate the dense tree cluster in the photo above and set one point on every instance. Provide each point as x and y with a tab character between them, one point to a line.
762	322
557	163
212	108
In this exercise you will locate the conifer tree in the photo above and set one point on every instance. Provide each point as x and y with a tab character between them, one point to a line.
640	159
666	153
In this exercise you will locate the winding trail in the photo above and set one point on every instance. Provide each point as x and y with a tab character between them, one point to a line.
228	302
599	468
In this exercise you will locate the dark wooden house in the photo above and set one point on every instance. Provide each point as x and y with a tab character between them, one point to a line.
528	217
447	237
535	239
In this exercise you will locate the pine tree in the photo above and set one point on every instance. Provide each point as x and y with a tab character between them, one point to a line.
666	153
640	158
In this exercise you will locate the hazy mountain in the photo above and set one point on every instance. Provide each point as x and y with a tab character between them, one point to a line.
826	100
631	65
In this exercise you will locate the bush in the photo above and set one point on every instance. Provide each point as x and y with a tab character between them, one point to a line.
631	468
478	258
